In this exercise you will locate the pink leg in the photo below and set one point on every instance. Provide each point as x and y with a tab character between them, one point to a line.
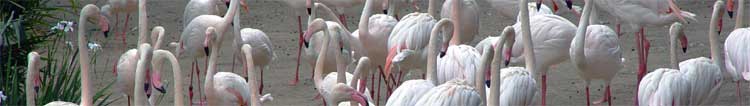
129	101
605	98
299	52
378	94
127	18
641	65
343	21
261	81
544	89
588	102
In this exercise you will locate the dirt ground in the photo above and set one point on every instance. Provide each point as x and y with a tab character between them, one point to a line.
278	20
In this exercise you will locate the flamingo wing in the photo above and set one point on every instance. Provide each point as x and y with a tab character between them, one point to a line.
737	61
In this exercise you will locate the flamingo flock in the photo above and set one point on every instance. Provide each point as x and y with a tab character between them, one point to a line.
434	48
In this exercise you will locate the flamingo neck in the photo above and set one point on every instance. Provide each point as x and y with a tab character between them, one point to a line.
479	74
455	16
142	22
327	10
236	29
740	21
364	20
320	62
497	59
83	60
157	35
211	68
340	64
673	35
431	8
140	73
176	71
226	20
392	8
251	78
580	37
31	73
713	41
528	45
431	74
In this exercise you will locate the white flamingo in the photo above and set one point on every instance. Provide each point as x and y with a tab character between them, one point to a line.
409	93
158	58
189	44
702	75
466	14
638	14
736	60
373	34
599	57
509	86
255	98
32	78
333	93
408	42
195	8
261	45
117	7
219	85
88	11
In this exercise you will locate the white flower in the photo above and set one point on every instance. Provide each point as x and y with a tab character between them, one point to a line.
94	46
66	26
2	96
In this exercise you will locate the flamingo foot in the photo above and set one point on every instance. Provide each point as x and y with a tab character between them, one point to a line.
294	81
604	98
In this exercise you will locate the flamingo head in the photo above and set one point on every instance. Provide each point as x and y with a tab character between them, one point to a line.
730	8
242	3
385	6
343	92
156	82
569	3
208	40
314	26
37	81
676	30
395	56
308	4
683	42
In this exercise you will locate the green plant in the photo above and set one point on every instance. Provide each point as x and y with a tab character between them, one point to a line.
24	28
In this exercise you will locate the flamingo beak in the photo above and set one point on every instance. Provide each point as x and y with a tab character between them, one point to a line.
554	6
104	24
359	97
308	4
539	4
244	6
156	81
569	3
507	56
676	11
37	83
730	8
684	43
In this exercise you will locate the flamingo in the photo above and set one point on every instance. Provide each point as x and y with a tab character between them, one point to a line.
625	10
491	40
527	43
145	53
192	34
340	7
600	57
736	61
158	58
195	8
466	14
373	34
508	86
332	93
552	36
702	75
406	44
509	9
263	48
460	61
409	93
255	99
32	78
297	4
222	83
90	10
740	10
453	93
116	7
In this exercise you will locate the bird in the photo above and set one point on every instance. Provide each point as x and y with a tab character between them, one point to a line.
255	98
33	79
373	34
125	67
341	7
144	51
647	15
460	60
189	45
298	5
671	89
195	8
509	9
736	62
336	92
597	54
491	40
409	92
528	48
263	48
158	59
466	14
551	36
408	41
116	7
508	86
456	92
88	11
730	10
222	88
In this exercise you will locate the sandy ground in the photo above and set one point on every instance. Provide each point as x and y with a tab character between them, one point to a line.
278	21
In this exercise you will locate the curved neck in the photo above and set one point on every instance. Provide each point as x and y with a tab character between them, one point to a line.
320	62
717	57
508	34
140	74
157	35
31	73
527	44
431	74
251	80
211	68
83	59
362	64
328	11
231	12
740	21
364	20
455	16
431	8
236	28
487	53
580	37
673	35
176	73
142	22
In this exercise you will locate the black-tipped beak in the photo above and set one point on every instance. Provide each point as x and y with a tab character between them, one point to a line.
442	54
569	3
161	89
507	62
385	11
36	89
487	82
146	88
309	11
731	14
106	34
205	49
538	5
307	44
684	50
227	4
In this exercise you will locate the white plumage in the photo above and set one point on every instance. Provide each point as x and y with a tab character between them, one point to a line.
672	90
518	87
409	93
459	62
705	80
736	52
452	93
468	11
195	8
223	81
409	34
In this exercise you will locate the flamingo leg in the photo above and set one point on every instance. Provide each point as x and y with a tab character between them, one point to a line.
605	98
261	82
299	52
127	17
641	64
739	99
343	21
190	88
234	61
544	89
129	101
588	102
